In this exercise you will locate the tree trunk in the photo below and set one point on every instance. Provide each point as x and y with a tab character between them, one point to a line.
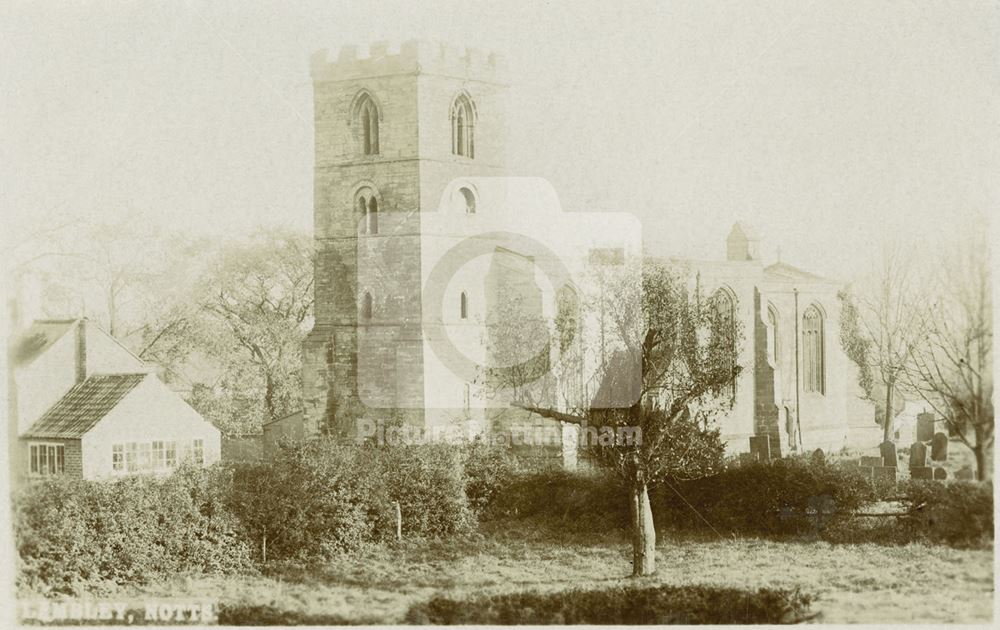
263	549
887	424
643	533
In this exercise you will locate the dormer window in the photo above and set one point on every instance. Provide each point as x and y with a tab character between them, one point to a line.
463	116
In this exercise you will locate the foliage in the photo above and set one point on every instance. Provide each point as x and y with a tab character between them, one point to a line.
323	498
428	482
796	495
586	502
73	535
855	345
489	470
956	513
238	329
629	605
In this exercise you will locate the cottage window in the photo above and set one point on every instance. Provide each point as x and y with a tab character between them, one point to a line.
131	460
159	456
47	459
171	454
199	452
118	457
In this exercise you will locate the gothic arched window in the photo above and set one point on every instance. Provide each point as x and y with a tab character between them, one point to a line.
724	331
462	127
463	306
367	207
813	367
772	333
366	307
368	115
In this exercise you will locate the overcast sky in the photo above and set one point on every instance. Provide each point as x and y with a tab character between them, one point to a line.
827	125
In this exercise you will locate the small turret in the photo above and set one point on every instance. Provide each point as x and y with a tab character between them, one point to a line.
742	243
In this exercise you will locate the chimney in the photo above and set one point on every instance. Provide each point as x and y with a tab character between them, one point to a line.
742	243
81	350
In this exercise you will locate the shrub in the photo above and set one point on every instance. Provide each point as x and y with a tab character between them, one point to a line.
429	483
489	469
311	501
786	496
323	498
622	605
958	513
73	535
590	501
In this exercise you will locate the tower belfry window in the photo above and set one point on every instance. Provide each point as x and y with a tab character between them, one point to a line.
371	218
462	127
368	113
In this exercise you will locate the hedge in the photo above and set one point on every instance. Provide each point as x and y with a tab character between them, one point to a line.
74	535
628	605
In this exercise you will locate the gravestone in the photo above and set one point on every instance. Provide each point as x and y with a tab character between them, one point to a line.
760	447
939	447
940	474
888	450
965	473
925	427
868	461
884	474
918	455
922	472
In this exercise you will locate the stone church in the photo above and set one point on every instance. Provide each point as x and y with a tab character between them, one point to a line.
417	231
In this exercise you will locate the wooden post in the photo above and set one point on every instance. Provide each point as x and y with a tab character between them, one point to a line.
399	521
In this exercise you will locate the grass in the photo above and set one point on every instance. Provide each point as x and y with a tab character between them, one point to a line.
849	583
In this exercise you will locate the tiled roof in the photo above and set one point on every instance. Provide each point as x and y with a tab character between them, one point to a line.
30	344
83	406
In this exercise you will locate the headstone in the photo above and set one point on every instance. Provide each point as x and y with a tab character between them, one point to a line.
760	447
965	473
922	472
868	461
888	450
940	474
918	455
818	456
925	427
939	447
884	474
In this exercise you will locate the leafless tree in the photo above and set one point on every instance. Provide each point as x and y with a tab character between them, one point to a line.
886	324
952	370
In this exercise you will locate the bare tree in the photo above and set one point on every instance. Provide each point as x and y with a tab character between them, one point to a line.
952	370
883	325
685	349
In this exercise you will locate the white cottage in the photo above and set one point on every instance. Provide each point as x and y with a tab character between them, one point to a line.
84	405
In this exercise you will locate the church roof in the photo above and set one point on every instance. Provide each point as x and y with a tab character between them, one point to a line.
784	271
84	406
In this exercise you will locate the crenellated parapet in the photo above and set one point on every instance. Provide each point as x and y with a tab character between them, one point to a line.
412	57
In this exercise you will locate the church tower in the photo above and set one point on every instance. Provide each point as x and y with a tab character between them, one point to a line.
391	131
